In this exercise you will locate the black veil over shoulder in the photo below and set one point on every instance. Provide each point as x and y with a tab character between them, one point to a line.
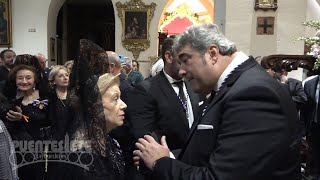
89	121
85	97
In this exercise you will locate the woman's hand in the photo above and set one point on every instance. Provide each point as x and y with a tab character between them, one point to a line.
14	115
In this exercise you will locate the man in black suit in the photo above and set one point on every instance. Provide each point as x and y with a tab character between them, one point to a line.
115	69
311	117
249	129
7	57
43	63
294	87
155	107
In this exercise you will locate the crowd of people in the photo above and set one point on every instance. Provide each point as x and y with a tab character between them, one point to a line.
211	113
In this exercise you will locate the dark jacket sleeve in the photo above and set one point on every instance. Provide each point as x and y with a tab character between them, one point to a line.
254	138
142	110
297	93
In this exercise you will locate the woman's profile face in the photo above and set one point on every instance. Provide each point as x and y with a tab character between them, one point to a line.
25	80
62	78
113	107
69	67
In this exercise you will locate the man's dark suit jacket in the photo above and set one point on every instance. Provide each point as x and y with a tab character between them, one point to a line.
309	110
253	135
154	106
296	92
4	72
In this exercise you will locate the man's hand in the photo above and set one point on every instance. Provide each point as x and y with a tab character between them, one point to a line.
14	115
150	151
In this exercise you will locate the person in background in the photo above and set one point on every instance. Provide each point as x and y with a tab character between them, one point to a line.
43	64
123	134
115	69
133	77
61	116
60	111
249	130
30	119
69	65
29	60
293	85
7	57
157	67
135	65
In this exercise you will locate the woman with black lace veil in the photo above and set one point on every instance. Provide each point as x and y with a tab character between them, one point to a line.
98	109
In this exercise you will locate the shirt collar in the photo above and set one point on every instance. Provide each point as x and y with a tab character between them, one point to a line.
170	79
239	59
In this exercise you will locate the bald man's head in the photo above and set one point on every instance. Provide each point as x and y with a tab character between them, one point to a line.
42	60
114	63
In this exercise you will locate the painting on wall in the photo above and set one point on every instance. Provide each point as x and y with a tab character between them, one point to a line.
5	24
135	16
136	26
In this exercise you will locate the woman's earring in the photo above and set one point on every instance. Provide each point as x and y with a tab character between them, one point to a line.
34	88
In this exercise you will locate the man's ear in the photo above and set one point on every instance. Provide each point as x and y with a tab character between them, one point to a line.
213	51
168	57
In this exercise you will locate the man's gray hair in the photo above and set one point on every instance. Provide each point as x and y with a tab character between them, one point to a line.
201	37
113	59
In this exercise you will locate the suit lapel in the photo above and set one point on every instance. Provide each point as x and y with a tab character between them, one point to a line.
194	99
231	79
172	97
313	87
226	85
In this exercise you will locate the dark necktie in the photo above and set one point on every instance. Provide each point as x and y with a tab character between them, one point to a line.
181	95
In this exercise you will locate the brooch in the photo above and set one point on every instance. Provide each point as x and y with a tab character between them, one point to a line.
40	104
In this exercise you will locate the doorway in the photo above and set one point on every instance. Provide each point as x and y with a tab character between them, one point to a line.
78	19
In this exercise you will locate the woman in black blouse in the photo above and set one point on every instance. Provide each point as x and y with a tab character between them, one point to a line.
60	116
33	124
60	113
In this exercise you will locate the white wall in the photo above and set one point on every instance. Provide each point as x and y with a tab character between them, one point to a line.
239	26
241	22
25	15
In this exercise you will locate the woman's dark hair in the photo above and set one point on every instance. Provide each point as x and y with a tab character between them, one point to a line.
14	71
137	63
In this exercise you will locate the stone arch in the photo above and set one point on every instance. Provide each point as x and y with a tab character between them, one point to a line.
53	11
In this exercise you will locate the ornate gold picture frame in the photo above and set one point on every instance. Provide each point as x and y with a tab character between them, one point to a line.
5	24
135	17
266	5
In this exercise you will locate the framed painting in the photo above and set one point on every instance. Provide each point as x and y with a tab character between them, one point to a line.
266	5
5	24
135	18
135	26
